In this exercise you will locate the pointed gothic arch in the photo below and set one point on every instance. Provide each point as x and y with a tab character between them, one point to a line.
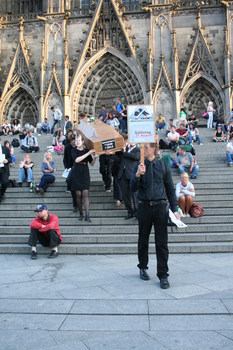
108	65
199	91
163	100
17	103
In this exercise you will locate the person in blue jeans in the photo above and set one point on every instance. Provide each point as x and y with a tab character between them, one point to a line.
45	127
57	117
229	152
193	135
186	163
25	171
48	170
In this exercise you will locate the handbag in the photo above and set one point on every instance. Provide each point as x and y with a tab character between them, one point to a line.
205	115
196	211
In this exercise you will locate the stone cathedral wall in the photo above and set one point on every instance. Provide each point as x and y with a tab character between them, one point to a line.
163	53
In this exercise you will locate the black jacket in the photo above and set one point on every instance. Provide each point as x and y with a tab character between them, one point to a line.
156	184
68	125
67	159
7	153
128	162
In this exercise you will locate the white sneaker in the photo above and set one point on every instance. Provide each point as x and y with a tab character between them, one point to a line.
187	216
39	134
200	144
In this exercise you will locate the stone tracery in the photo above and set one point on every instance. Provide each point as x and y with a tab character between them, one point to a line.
21	105
198	96
108	73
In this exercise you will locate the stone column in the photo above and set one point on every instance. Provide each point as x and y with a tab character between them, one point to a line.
150	67
42	76
175	61
66	79
227	66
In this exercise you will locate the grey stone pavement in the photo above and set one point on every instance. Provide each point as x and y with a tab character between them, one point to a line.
98	302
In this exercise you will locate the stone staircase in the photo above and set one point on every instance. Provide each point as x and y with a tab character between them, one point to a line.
109	232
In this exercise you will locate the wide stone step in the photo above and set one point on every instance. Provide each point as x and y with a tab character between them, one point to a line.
63	211
223	247
111	220
126	238
85	228
101	194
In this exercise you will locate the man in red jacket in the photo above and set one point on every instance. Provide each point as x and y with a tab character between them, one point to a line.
45	229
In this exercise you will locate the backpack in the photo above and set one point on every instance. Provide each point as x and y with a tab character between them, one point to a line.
196	211
166	158
190	149
163	144
15	143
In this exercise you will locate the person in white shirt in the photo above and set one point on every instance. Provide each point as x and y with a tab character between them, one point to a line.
30	143
67	126
15	126
229	152
113	122
57	116
210	110
185	193
6	127
173	138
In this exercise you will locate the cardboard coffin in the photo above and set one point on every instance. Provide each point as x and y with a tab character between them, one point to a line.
100	136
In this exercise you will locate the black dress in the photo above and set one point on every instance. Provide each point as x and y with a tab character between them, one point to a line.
80	176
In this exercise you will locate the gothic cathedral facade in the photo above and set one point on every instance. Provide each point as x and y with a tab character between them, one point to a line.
80	54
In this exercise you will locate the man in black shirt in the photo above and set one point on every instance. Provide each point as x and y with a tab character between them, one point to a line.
154	184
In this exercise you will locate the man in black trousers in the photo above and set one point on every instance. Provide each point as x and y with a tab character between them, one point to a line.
5	160
129	158
154	184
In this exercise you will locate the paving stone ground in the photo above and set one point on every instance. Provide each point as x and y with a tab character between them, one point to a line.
98	302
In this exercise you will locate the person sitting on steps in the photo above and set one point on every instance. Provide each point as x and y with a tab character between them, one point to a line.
45	230
185	163
185	194
25	171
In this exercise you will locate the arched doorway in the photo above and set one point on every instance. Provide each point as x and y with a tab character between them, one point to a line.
199	94
22	106
109	79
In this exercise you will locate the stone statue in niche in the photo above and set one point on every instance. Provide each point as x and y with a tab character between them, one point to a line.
114	39
93	43
107	30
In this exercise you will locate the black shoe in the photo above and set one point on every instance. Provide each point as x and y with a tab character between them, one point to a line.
20	184
75	209
53	254
129	216
193	177
87	219
164	284
80	217
41	191
28	184
33	255
144	275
